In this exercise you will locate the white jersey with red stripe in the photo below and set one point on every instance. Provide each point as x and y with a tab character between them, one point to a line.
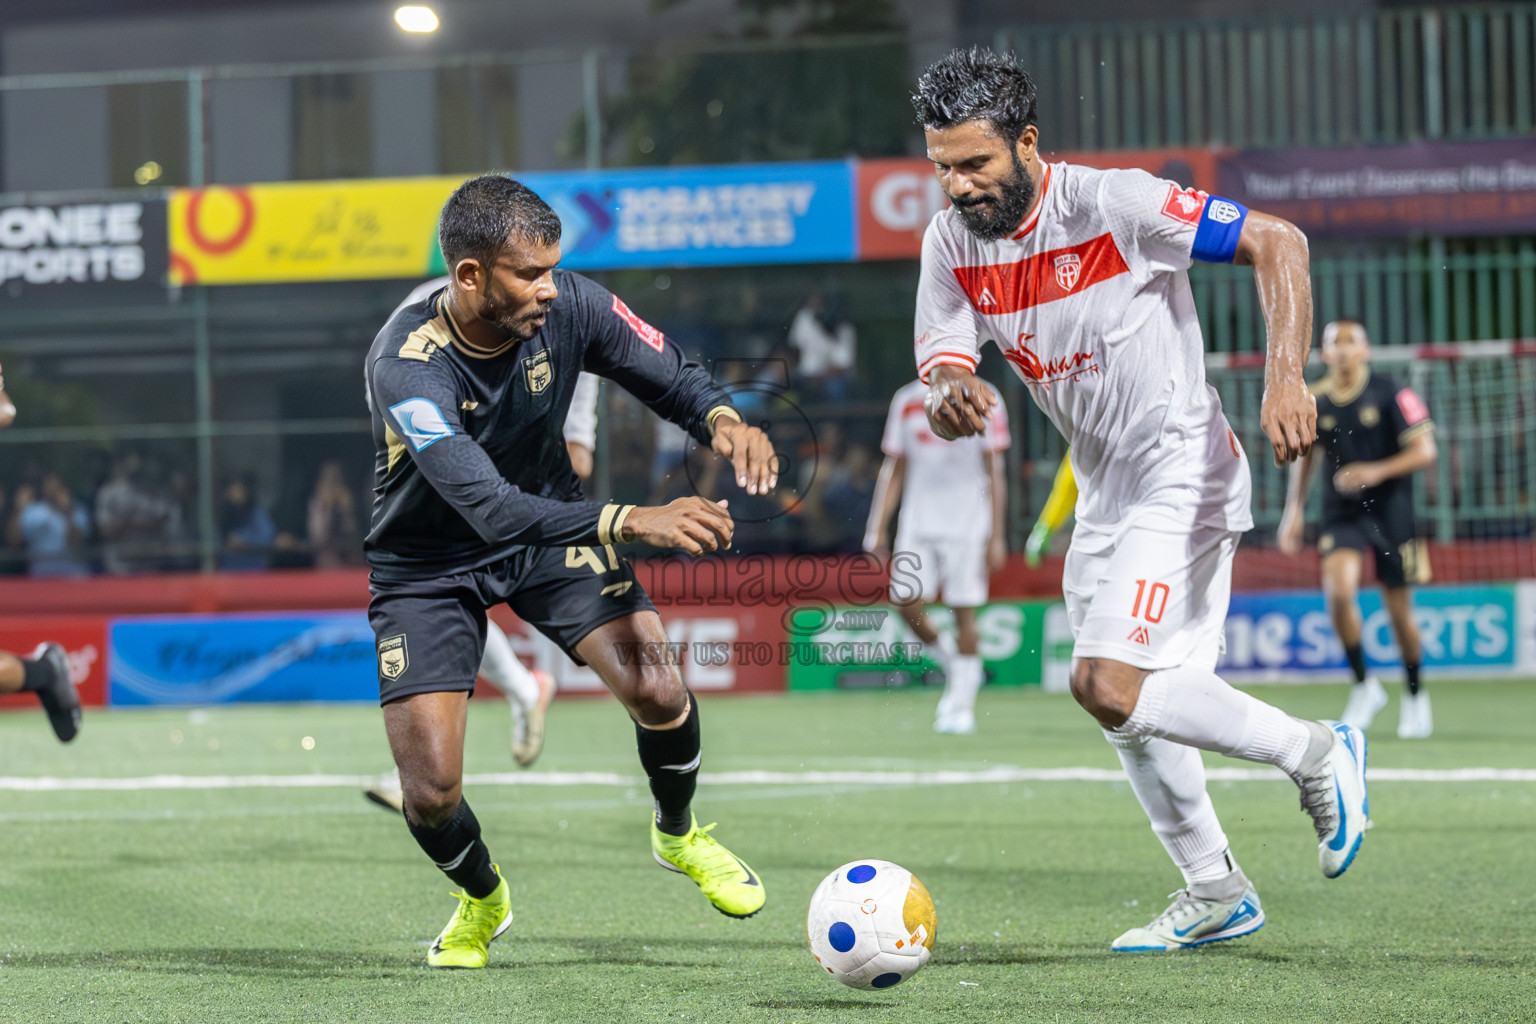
947	492
1090	303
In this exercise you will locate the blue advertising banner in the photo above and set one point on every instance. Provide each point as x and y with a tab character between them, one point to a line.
1287	634
703	216
217	659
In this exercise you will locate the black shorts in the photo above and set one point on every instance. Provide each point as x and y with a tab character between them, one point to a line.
430	634
1400	557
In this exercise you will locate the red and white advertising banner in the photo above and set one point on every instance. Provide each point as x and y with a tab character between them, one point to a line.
85	642
714	648
896	198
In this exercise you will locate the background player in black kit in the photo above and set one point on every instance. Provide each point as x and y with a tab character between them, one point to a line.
1374	434
476	503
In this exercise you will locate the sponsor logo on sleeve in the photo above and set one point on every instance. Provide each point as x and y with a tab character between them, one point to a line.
1412	406
648	334
421	422
1184	204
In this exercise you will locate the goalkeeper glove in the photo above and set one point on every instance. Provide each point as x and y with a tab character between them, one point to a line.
1034	547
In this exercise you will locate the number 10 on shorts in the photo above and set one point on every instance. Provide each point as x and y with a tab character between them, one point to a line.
1156	601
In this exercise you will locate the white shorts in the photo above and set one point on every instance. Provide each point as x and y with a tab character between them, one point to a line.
951	570
1148	598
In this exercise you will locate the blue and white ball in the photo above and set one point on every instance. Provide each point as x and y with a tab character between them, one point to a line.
871	924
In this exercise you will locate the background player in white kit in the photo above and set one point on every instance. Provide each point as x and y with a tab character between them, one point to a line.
950	536
528	691
1080	277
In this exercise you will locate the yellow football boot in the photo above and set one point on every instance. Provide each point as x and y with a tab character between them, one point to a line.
724	878
464	943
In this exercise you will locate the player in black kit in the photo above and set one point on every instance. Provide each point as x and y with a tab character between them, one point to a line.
1374	434
475	503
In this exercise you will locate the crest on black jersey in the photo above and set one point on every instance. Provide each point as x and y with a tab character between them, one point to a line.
538	372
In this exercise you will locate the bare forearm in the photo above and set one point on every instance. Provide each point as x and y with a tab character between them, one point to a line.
1281	270
999	492
1300	482
887	496
1420	454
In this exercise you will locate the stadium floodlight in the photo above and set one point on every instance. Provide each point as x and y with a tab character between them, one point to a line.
416	19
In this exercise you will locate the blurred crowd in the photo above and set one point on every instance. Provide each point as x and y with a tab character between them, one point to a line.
137	512
141	517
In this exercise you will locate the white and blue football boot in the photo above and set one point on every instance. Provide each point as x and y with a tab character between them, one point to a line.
1192	921
1333	793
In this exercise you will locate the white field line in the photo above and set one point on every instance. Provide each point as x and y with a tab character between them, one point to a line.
20	784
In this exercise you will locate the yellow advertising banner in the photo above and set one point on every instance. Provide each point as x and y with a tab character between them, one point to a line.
307	231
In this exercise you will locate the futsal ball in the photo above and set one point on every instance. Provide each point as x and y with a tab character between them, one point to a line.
871	924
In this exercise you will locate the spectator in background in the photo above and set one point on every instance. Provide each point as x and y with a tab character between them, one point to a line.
9	556
178	537
850	491
826	346
246	528
130	518
667	459
52	526
332	520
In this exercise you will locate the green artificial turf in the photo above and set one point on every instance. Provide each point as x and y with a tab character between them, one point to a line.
310	904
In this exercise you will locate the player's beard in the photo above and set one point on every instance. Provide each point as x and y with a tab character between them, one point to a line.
501	313
990	217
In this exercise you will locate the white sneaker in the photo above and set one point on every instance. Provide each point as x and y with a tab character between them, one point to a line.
528	723
386	792
1415	722
1334	795
956	723
1191	921
1365	702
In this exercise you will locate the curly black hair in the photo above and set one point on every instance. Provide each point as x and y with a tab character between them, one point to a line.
976	85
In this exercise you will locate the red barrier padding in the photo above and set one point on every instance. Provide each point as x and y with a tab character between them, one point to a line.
773	581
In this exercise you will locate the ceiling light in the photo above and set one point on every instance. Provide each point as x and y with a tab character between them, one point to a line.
416	19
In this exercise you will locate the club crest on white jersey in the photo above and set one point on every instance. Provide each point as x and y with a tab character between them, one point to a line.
1068	266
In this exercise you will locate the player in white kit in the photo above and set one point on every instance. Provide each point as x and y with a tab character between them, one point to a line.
949	539
1080	277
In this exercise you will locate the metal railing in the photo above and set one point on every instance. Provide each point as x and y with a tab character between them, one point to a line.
1409	293
1454	73
399	117
1450	72
1482	398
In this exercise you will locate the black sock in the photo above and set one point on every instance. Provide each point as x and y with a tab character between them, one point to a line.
670	758
455	847
1412	672
35	675
1356	659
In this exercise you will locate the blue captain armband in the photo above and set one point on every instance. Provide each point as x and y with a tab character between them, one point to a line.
1221	225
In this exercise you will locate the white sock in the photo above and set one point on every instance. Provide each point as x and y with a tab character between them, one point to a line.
1196	707
964	681
1169	780
501	667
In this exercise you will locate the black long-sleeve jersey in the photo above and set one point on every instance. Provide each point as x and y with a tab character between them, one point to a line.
1371	421
470	459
